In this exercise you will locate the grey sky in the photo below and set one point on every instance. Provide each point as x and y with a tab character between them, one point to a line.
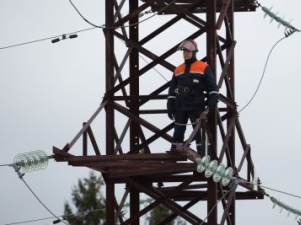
47	90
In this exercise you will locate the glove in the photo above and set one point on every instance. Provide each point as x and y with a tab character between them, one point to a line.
212	103
171	108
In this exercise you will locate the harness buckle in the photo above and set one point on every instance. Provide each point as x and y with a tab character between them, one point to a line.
186	89
182	89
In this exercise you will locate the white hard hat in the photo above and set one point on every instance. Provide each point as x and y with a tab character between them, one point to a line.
189	45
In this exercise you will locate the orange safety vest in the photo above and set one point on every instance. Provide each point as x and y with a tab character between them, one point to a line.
197	67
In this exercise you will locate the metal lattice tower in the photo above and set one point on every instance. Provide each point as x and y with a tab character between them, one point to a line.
137	129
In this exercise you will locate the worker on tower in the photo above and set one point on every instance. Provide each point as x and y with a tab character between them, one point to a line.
186	96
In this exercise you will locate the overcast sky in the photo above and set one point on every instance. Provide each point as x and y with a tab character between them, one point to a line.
47	90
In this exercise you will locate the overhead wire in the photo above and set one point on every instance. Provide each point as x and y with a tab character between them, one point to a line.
65	217
45	39
221	175
276	202
35	163
5	165
41	201
289	30
263	74
87	29
29	221
86	20
215	205
157	71
29	42
130	25
53	217
275	190
282	192
25	162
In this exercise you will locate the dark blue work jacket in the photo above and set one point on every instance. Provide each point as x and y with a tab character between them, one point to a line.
190	84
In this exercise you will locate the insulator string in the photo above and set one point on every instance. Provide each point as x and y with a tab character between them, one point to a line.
31	161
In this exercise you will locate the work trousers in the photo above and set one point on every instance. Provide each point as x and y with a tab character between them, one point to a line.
181	119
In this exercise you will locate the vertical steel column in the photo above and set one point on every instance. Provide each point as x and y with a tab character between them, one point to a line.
109	76
212	120
134	100
110	187
231	77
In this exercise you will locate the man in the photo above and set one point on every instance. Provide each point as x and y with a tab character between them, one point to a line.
186	95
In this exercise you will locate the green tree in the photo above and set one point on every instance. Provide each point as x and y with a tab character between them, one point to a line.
159	213
89	202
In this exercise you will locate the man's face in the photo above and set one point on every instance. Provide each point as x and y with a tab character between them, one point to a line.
187	54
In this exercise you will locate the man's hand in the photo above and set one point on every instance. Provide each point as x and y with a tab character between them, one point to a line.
212	103
171	108
171	115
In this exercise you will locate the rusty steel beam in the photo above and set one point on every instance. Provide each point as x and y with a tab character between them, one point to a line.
211	36
179	5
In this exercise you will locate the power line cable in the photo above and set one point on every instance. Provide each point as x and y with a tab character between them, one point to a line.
220	174
45	39
157	71
29	221
289	30
5	165
263	73
79	214
215	205
282	192
53	217
279	203
79	13
29	42
41	201
94	27
134	24
273	189
21	162
32	161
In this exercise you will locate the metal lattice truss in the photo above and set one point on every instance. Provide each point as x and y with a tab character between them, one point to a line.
141	50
